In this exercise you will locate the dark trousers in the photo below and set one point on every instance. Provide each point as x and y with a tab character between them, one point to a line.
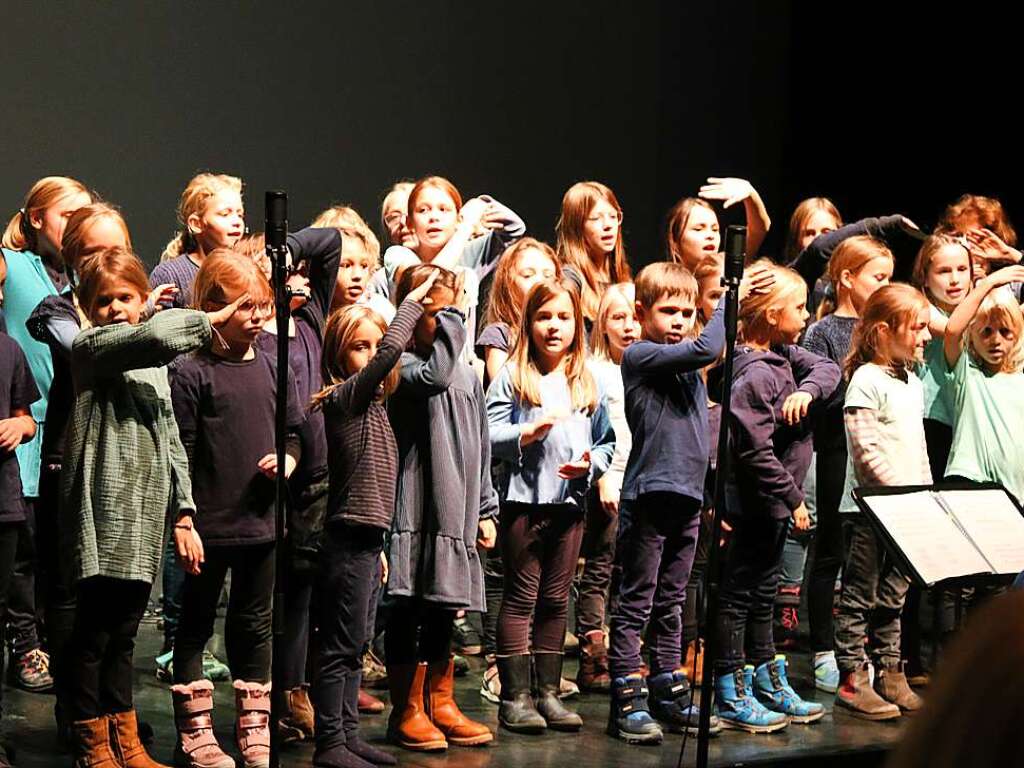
99	676
494	586
827	553
298	595
417	631
346	590
656	548
598	552
540	544
750	581
8	552
247	630
692	615
172	587
23	616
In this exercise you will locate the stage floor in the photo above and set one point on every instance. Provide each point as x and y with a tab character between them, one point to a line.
837	739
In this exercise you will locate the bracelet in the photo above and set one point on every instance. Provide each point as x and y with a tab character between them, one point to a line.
183	526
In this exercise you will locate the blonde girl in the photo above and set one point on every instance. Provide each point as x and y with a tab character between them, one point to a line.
360	278
812	217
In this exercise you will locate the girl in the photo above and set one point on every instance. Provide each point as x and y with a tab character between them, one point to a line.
394	215
445	506
590	242
125	473
692	229
211	215
775	384
882	412
615	328
812	217
224	403
550	427
708	275
360	263
859	266
361	355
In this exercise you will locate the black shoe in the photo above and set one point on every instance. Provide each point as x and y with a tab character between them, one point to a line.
517	711
548	667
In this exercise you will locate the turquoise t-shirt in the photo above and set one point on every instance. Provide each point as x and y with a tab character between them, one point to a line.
937	403
988	436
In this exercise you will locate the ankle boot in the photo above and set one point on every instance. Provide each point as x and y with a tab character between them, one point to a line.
296	723
409	726
445	713
252	722
891	684
593	672
369	704
548	669
126	742
629	717
670	700
92	748
856	695
516	711
197	747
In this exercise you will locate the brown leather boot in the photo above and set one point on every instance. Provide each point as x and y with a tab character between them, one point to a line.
891	684
369	704
91	744
856	695
593	672
125	729
296	724
252	722
193	715
696	648
445	713
409	727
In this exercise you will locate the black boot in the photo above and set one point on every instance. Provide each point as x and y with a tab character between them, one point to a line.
548	667
517	712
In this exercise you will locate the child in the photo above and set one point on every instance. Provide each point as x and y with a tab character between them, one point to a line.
774	385
17	393
812	217
211	215
859	266
394	215
224	402
692	229
549	426
360	361
590	242
615	328
360	262
125	474
445	506
662	491
883	412
984	222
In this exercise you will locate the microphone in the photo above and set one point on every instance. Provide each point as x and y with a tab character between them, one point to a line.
276	227
735	254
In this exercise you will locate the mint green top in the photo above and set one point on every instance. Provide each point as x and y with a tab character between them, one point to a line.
937	397
988	436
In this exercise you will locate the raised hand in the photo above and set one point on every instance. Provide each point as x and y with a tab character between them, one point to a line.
419	293
224	314
986	244
728	190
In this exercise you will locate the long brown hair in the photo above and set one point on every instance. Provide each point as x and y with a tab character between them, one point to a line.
79	223
193	201
600	349
226	273
503	306
926	255
675	225
894	306
851	255
20	235
798	220
988	212
341	327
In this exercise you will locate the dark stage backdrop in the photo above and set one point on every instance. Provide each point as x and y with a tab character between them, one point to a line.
333	101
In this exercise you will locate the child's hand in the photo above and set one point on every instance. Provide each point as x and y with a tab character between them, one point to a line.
419	293
730	190
268	465
161	294
1005	276
487	534
472	211
224	314
11	433
572	470
188	546
757	280
536	431
609	496
987	245
384	570
461	302
794	409
801	518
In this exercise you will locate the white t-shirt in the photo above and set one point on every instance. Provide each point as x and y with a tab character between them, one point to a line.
899	407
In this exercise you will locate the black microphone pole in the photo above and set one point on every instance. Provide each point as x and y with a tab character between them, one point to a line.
276	234
735	247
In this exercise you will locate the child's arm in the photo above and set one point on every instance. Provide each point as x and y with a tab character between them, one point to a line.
870	466
505	227
487	529
16	429
54	322
732	191
817	378
186	389
296	417
494	359
813	260
187	544
957	324
433	375
649	358
602	436
507	434
321	247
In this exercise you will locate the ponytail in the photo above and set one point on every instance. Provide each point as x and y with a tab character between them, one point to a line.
19	235
174	248
15	236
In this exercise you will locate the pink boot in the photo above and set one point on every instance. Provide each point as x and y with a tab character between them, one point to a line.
197	746
252	726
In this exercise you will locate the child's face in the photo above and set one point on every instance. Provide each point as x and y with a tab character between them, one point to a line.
866	280
949	275
620	327
907	344
993	341
791	317
552	330
395	219
51	222
818	223
362	347
700	238
354	271
601	229
669	320
102	234
434	218
711	291
222	222
426	327
533	266
241	329
117	301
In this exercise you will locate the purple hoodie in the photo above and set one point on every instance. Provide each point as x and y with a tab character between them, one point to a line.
769	457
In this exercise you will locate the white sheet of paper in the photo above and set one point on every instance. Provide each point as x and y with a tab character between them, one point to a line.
995	525
927	536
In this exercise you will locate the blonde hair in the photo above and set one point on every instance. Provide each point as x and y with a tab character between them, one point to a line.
600	348
1000	307
79	224
753	311
676	220
798	220
525	374
577	203
193	201
20	235
225	273
398	188
253	245
355	232
894	306
851	255
664	278
926	255
502	306
107	265
341	327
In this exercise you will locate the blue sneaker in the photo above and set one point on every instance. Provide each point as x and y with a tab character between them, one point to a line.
671	705
774	690
629	718
826	672
739	710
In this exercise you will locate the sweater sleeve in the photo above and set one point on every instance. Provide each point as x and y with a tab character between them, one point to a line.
815	374
869	463
489	509
813	259
181	477
433	375
502	419
321	247
120	347
186	391
650	358
482	253
602	436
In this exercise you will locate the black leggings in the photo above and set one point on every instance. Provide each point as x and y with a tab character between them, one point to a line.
828	552
418	631
8	551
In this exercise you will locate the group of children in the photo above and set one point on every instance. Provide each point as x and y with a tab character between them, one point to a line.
468	416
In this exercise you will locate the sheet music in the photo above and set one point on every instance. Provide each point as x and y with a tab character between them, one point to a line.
994	524
928	536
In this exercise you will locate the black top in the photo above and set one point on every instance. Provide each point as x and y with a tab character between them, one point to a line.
17	392
61	399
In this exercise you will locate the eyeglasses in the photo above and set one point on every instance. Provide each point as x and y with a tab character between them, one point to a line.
249	307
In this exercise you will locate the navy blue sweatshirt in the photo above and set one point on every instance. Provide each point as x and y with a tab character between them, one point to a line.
667	412
770	458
